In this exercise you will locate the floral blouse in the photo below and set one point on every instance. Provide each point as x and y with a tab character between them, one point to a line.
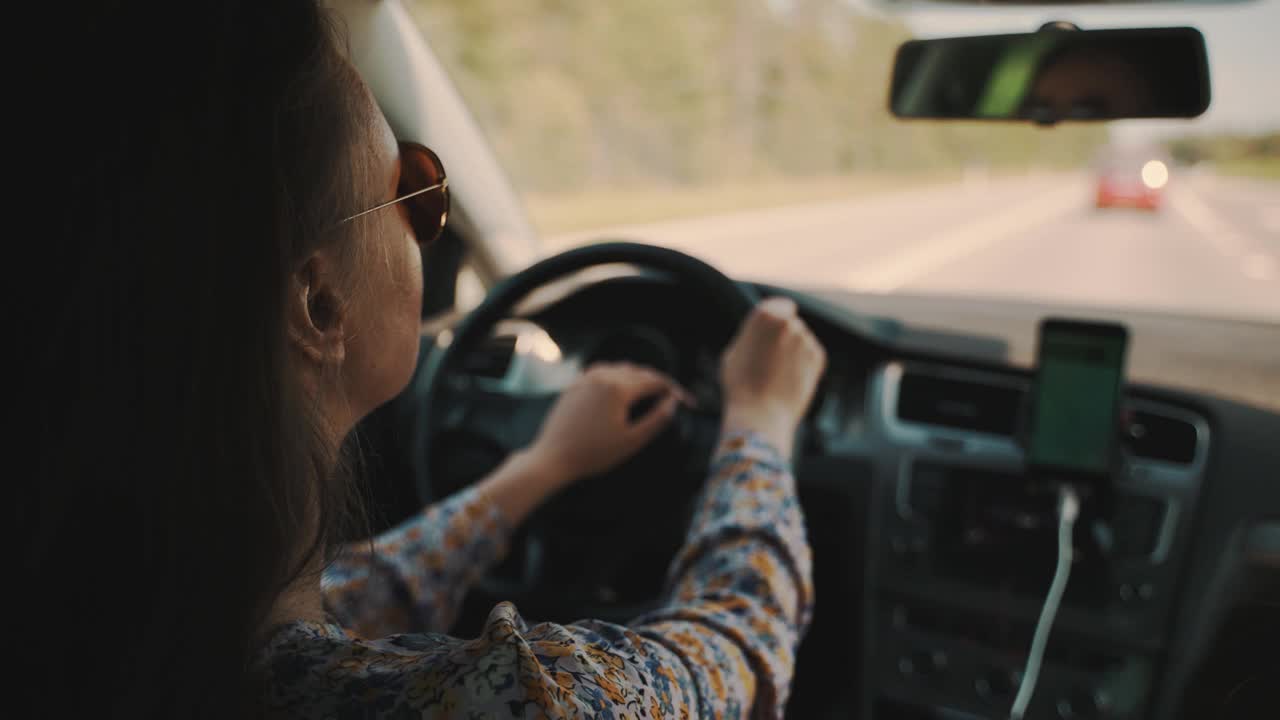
723	646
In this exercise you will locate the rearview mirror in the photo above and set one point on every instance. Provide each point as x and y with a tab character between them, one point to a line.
1054	75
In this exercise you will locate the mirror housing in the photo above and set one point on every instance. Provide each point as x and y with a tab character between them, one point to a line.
1056	74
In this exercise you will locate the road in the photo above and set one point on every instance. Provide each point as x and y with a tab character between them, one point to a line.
1213	248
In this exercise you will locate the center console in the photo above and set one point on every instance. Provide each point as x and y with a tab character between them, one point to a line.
968	544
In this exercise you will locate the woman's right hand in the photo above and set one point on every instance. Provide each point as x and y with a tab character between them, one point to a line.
769	373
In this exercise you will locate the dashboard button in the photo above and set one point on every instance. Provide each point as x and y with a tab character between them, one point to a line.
899	545
1084	705
997	685
906	667
923	664
899	616
931	663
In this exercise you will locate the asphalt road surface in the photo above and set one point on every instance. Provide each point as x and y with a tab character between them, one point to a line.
1213	248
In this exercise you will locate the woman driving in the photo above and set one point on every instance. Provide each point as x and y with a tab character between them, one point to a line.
240	281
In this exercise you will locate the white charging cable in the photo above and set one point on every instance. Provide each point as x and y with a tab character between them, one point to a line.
1068	510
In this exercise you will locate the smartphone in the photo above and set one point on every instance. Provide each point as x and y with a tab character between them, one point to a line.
1076	401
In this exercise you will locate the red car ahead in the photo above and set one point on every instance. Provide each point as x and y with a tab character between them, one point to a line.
1132	180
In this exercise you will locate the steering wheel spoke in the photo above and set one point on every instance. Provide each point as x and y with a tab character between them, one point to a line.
506	419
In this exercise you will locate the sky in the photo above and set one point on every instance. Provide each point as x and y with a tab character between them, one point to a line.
1243	40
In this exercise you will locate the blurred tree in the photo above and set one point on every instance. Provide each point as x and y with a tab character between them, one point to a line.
1224	147
641	92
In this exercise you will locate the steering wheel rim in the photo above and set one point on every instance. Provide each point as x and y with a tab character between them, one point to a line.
732	299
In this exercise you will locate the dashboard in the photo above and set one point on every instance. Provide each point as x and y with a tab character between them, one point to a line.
971	547
932	550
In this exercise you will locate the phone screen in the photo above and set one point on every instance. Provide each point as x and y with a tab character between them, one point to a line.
1077	397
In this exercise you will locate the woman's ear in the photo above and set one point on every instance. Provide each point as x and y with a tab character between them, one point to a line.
315	311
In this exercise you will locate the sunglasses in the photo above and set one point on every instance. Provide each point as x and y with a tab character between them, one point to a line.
421	175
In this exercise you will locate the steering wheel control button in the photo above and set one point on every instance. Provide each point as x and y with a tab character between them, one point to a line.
1127	592
1146	591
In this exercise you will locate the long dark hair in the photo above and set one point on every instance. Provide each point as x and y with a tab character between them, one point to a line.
179	462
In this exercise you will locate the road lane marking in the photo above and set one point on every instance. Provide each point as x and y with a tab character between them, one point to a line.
1258	266
892	273
1209	224
1196	212
1254	265
1228	243
1270	217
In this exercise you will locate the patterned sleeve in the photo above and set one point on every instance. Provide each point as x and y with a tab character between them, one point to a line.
413	577
742	585
723	646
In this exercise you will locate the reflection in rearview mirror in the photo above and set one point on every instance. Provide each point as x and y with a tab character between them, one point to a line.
1054	75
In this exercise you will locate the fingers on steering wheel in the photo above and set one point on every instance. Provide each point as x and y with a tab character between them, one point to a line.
651	423
651	382
636	382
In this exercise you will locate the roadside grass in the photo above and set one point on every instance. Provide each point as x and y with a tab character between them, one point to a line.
1265	168
555	214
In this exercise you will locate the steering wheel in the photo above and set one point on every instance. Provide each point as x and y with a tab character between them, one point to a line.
601	546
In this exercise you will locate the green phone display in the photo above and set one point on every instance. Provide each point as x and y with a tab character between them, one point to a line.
1076	398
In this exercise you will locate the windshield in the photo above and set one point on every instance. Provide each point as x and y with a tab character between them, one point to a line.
755	134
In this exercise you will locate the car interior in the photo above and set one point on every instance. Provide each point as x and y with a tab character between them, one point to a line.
932	464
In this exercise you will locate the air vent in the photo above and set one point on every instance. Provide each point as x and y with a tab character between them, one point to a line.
959	403
1157	436
492	359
